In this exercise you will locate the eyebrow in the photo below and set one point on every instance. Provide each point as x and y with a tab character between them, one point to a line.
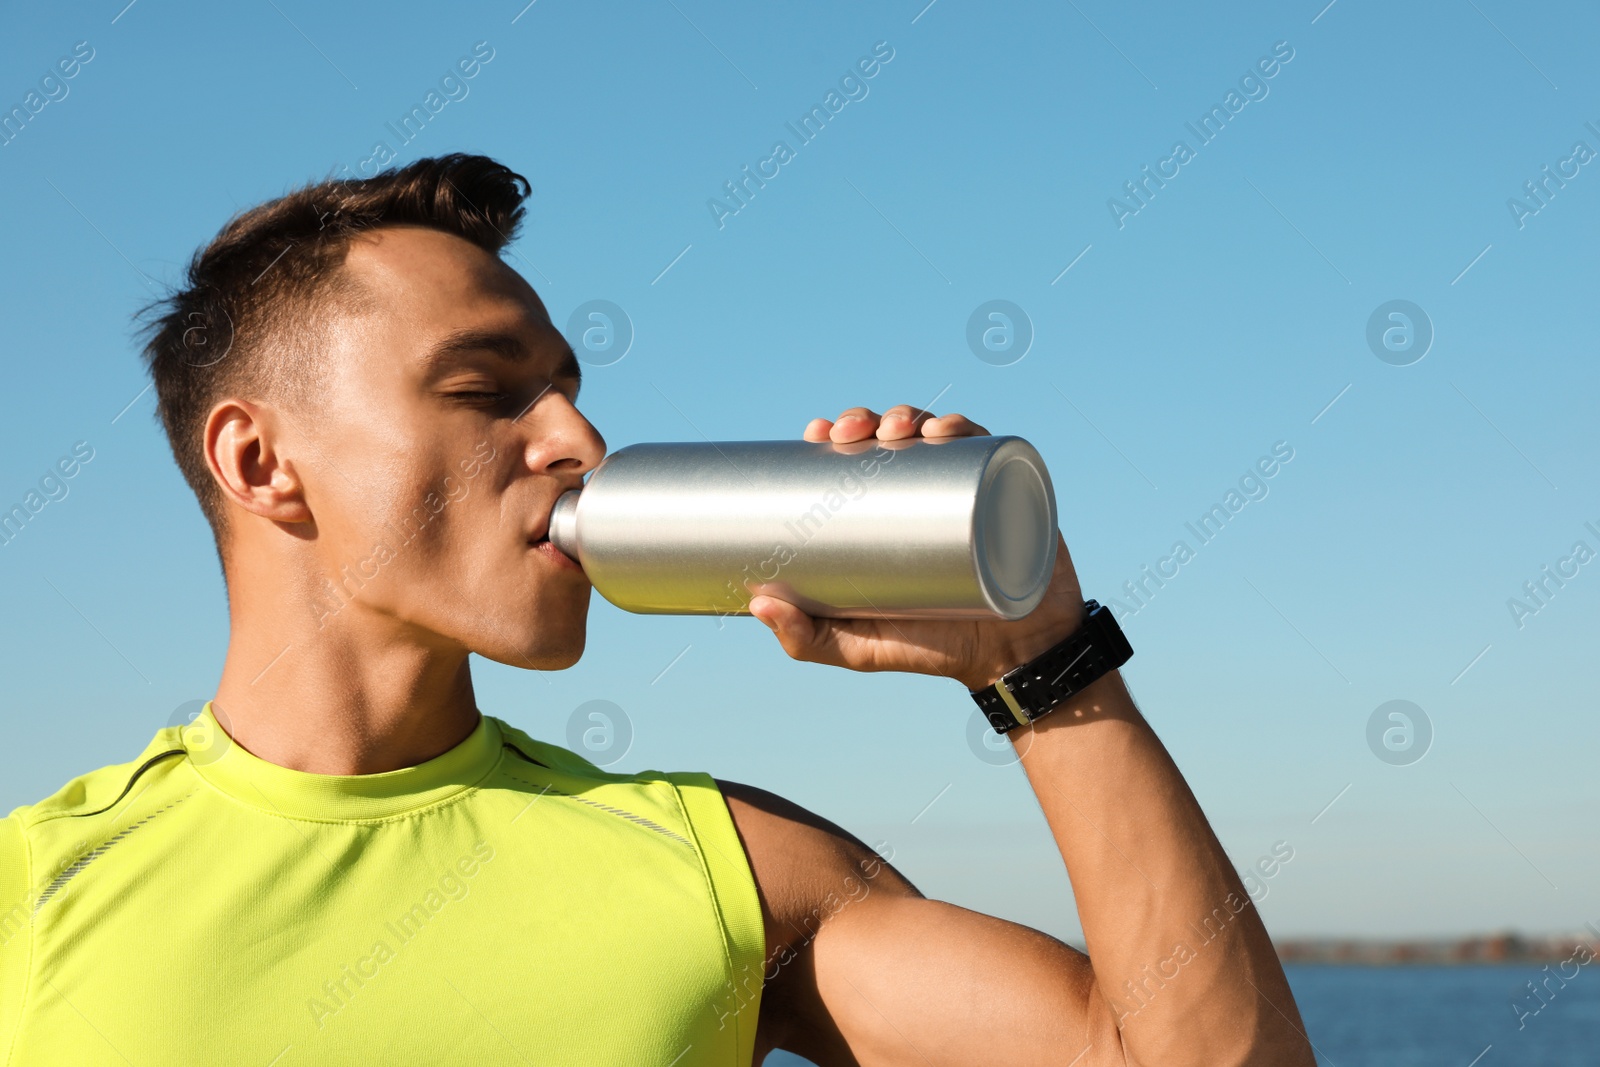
507	346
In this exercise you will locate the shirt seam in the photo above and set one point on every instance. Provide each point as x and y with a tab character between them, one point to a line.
401	816
30	817
42	819
718	912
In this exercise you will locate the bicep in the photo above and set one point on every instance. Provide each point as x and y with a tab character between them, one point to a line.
907	980
865	970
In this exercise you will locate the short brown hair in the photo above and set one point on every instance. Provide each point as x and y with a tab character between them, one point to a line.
241	322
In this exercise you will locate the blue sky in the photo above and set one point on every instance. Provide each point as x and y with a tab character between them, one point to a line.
1225	315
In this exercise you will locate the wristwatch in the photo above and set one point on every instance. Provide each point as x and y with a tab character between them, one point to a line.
1038	686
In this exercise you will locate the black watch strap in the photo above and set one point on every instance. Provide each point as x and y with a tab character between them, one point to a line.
1094	649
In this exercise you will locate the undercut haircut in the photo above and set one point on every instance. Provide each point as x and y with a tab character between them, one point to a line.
248	320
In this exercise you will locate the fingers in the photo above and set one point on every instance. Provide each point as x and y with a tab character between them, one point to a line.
902	421
855	424
952	426
898	423
855	644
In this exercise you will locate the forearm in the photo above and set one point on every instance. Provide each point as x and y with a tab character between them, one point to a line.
1180	956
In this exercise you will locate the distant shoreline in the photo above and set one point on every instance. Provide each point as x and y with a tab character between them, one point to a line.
1507	948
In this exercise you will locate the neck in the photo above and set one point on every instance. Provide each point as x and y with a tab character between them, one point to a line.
360	695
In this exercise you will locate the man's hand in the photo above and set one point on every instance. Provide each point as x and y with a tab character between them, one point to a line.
975	652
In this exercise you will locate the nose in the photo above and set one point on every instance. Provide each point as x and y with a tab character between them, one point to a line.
560	440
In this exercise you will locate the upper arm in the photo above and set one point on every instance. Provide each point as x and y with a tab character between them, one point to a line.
866	970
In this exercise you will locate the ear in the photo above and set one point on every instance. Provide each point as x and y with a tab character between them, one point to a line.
245	451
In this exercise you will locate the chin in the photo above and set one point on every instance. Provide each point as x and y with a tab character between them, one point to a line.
539	655
532	626
539	647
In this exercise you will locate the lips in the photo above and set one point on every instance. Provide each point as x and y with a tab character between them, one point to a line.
540	544
540	534
546	548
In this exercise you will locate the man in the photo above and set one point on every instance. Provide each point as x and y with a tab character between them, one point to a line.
343	861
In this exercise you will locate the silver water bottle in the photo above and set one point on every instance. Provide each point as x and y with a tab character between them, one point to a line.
954	527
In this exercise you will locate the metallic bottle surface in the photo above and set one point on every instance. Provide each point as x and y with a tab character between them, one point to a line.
955	527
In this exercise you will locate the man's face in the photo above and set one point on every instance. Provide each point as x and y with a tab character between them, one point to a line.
444	434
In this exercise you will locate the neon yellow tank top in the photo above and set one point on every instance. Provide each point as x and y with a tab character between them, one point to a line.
507	902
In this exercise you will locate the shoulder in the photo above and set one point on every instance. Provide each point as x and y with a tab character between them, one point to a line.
561	769
808	872
41	838
100	789
799	858
804	867
573	771
551	756
684	803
